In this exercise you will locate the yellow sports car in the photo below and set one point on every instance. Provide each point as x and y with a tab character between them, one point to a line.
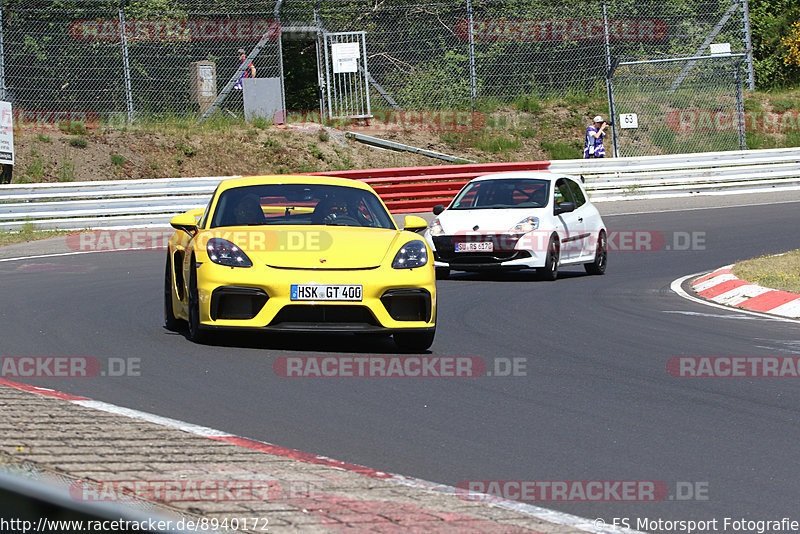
301	254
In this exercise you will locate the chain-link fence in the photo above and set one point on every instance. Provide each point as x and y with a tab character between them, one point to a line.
132	59
681	105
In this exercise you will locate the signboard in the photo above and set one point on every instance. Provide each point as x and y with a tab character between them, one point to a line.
207	88
6	134
720	49
628	120
345	57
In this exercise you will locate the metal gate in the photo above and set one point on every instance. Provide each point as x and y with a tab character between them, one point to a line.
678	105
345	84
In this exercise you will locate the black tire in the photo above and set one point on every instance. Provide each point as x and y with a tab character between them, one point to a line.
442	273
414	341
196	332
550	270
171	322
598	266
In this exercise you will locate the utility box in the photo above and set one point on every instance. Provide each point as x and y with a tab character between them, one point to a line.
202	83
262	98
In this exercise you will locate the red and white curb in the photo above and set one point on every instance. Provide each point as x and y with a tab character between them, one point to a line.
723	287
596	526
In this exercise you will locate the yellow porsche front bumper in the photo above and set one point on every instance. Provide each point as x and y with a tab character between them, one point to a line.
259	297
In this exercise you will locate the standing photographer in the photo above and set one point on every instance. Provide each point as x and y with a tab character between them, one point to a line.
593	146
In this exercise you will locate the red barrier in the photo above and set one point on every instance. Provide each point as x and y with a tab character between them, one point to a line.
413	189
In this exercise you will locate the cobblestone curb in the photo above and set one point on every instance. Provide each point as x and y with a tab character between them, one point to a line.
105	453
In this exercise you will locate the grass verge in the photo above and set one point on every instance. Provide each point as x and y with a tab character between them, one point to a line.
776	272
28	233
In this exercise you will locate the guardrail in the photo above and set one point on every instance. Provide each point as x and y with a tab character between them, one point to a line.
151	203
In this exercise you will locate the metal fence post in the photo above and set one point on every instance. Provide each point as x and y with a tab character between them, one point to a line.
126	64
472	80
278	6
610	85
321	80
740	123
748	46
2	58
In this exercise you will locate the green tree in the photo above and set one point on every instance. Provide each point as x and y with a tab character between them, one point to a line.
771	23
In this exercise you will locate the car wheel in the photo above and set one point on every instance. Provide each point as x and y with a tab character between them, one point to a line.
598	266
442	273
196	333
414	341
171	322
550	270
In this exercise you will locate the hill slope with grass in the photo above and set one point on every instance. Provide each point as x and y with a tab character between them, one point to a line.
528	129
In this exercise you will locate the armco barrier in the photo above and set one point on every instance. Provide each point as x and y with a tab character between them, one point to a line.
151	203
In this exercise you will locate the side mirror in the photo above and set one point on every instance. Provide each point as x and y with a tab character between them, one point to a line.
564	207
186	222
438	209
414	223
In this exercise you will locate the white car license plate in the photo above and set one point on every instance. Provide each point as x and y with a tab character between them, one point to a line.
484	246
326	292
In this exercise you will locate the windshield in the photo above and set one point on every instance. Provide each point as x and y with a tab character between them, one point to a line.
505	193
295	204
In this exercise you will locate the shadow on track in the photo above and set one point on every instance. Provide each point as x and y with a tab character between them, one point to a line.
302	342
512	276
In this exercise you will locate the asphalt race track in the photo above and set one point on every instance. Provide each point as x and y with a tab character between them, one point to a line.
596	404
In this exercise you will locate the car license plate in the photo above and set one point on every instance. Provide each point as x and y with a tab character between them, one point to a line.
484	246
326	292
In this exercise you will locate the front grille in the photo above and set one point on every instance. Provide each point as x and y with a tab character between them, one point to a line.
408	304
324	313
237	303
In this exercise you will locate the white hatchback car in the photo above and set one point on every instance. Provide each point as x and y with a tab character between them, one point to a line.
519	220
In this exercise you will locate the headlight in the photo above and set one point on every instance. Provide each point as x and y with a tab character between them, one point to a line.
413	254
528	224
224	252
436	227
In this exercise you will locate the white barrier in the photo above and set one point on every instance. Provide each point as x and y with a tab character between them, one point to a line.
151	203
683	175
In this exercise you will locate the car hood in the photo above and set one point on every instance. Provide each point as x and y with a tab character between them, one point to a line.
314	247
487	220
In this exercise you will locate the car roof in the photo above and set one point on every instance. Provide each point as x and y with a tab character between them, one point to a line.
540	175
244	181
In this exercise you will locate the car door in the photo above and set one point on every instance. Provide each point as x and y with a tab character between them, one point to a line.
585	219
572	227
